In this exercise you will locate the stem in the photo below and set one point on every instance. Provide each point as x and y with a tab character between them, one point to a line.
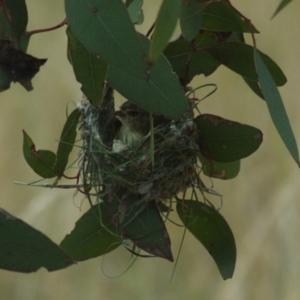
64	22
248	22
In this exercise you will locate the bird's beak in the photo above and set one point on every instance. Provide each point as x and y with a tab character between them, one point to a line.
119	115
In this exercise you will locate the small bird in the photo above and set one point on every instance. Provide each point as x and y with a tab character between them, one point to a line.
135	123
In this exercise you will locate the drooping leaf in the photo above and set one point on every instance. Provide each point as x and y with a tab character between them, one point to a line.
139	221
281	6
219	16
220	170
254	86
164	27
93	235
135	12
89	70
40	161
105	29
16	66
210	228
161	94
239	58
13	20
191	15
276	107
188	61
25	249
226	141
66	142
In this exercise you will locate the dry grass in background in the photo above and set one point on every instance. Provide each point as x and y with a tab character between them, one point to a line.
261	205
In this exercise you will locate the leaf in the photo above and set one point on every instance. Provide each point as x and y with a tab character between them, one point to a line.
276	107
254	86
219	16
135	11
25	249
239	58
188	61
17	66
13	20
211	229
281	6
220	170
89	70
105	29
93	235
66	142
164	27
191	15
40	161
226	141
139	221
162	94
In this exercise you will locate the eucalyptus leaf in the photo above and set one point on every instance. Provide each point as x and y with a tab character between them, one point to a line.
89	70
219	170
220	16
41	161
105	29
281	6
191	15
239	58
276	107
161	94
66	142
210	228
25	249
164	27
93	235
224	140
139	221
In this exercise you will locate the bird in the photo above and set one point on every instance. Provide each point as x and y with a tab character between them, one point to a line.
135	123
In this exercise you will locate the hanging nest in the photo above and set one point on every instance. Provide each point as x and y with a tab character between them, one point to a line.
157	169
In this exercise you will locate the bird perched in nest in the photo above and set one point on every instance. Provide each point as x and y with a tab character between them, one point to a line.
135	123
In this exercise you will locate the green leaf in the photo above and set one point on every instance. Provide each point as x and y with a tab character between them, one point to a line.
25	249
164	27
139	221
276	107
211	229
105	29
135	12
254	86
191	15
161	94
281	6
226	141
89	70
93	235
220	170
219	16
66	142
188	61
239	58
13	20
40	161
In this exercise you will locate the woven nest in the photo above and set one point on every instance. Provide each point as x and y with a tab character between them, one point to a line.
157	169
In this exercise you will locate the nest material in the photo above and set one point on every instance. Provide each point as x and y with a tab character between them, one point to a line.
157	169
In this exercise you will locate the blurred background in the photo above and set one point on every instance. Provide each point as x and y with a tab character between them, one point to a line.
261	205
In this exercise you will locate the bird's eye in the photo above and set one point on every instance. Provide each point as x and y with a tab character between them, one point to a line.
132	113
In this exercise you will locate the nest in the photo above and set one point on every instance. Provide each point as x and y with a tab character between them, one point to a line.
161	166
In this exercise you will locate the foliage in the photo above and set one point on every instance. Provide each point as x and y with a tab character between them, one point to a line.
153	72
